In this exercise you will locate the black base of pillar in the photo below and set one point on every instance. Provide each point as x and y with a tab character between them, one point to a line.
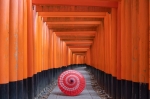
20	89
128	89
30	88
123	89
118	89
13	90
144	91
35	78
25	89
113	87
135	90
4	91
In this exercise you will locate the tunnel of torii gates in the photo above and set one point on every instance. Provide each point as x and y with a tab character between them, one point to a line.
39	39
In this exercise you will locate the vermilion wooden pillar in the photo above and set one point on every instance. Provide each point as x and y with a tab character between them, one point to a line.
58	52
36	49
113	41
143	29
69	57
88	57
96	51
13	50
128	50
113	51
66	60
47	38
106	42
20	50
39	43
4	49
102	48
118	83
51	53
74	59
48	71
149	48
135	50
107	60
109	53
42	46
30	49
50	44
25	95
46	55
55	50
123	54
64	53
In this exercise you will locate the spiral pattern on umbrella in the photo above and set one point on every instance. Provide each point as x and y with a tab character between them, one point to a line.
71	82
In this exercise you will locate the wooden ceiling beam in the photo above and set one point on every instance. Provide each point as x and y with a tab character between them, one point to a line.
78	42
77	53
76	39
92	33
70	8
73	14
67	19
101	3
72	49
79	46
76	23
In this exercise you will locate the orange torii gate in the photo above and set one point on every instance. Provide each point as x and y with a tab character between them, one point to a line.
41	38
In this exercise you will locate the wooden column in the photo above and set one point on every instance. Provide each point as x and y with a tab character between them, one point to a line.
4	49
58	51
107	60
39	43
123	54
149	48
128	50
143	29
30	49
135	50
20	50
42	45
36	50
51	47
55	50
113	51
51	59
102	38
118	83
25	67
13	50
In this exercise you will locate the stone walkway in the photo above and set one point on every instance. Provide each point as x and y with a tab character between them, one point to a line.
87	93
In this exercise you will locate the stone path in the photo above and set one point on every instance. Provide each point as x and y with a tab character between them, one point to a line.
88	92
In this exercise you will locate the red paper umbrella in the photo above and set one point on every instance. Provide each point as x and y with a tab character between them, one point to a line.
71	82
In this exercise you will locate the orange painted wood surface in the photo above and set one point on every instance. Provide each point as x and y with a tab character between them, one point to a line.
119	41
25	39
128	40
123	55
13	40
135	42
143	26
109	3
113	43
20	40
73	14
4	41
29	38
